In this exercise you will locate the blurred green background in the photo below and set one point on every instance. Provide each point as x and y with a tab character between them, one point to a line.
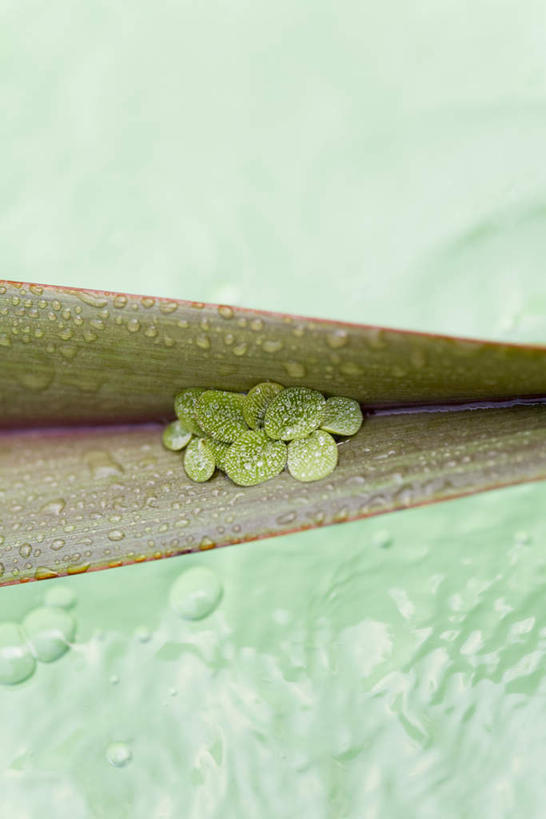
380	163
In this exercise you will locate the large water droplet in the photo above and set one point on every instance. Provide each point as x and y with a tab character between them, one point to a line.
16	660
59	595
195	593
49	632
101	464
91	299
53	507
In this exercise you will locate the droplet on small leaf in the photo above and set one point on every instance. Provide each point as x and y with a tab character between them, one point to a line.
312	458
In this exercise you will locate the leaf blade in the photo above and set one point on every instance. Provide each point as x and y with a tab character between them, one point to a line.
117	357
125	499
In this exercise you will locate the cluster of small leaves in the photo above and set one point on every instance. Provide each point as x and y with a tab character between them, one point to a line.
253	436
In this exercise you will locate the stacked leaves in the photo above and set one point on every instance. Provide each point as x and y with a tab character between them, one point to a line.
252	437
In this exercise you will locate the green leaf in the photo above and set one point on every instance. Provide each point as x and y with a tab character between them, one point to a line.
86	377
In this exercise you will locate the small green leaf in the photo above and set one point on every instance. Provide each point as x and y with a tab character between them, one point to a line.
341	416
199	461
313	458
176	436
257	401
185	406
254	458
294	413
220	414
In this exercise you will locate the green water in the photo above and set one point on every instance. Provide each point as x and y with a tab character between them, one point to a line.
380	163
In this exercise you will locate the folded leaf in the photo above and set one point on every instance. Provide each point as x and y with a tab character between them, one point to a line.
74	498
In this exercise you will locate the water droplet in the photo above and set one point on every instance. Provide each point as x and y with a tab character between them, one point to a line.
147	302
195	593
116	534
50	631
53	507
256	325
133	325
294	369
59	595
337	338
77	568
272	346
350	368
25	550
119	754
101	464
239	349
167	307
206	543
225	311
91	299
37	374
57	544
286	517
44	572
120	301
16	660
203	341
68	351
382	539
